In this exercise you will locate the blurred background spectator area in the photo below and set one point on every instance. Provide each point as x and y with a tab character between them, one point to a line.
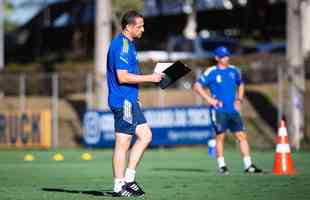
62	30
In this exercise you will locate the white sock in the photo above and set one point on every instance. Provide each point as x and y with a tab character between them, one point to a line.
130	175
118	184
247	162
221	162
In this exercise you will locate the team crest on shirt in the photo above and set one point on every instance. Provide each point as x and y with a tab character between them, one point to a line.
218	78
232	75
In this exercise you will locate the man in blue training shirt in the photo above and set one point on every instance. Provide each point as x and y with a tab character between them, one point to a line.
123	76
227	92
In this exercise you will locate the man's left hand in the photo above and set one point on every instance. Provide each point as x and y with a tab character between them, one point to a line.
238	104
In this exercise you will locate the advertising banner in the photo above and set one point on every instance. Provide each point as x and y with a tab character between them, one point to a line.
170	126
25	130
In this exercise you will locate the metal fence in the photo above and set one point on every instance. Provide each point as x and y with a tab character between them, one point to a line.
22	92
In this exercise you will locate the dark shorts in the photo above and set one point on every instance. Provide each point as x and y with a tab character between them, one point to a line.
223	121
122	124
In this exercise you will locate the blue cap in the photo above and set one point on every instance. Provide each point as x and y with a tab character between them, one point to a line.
221	52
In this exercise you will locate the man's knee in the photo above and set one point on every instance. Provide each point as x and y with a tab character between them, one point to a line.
146	137
220	137
122	140
241	136
144	134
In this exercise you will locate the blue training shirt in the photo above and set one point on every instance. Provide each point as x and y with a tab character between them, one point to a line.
223	85
121	55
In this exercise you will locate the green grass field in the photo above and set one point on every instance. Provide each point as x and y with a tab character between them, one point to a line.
182	173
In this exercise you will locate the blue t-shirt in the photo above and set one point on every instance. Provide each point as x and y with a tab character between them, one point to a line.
223	85
121	55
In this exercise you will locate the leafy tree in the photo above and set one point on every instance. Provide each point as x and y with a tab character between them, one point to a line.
120	6
8	10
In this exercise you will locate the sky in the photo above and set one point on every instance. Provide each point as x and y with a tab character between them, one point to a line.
26	9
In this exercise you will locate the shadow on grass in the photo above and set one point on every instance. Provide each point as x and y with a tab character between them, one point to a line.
87	192
181	170
204	171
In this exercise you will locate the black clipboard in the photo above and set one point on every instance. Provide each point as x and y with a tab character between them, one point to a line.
173	73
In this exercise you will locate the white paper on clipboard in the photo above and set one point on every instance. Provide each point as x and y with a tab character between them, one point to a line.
160	67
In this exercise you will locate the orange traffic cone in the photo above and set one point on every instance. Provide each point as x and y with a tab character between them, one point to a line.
283	164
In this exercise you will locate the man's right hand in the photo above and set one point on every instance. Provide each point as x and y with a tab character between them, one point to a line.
156	77
214	102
